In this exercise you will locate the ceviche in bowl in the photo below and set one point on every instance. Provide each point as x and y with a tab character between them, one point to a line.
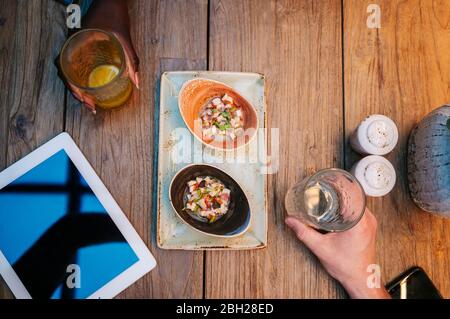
209	200
217	114
222	118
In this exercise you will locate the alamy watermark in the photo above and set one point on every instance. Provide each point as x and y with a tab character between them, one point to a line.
73	20
374	18
374	279
184	148
74	278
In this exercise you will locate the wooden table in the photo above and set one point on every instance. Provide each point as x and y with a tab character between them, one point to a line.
325	70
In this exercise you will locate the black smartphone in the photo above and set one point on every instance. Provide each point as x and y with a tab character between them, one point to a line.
413	284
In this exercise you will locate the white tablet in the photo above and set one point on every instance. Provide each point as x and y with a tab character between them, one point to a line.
62	234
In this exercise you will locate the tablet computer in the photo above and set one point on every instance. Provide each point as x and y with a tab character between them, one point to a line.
62	235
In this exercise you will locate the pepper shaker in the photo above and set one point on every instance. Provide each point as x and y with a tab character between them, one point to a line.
376	135
375	174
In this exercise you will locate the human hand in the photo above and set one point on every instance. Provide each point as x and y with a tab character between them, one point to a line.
111	16
345	255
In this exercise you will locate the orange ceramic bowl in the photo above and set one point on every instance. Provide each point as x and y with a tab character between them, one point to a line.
196	93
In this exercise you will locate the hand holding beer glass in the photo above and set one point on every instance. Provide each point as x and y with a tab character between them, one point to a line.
99	63
93	62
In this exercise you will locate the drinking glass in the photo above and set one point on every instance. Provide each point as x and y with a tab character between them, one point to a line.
93	61
331	200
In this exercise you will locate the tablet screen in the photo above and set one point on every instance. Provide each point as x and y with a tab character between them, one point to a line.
57	235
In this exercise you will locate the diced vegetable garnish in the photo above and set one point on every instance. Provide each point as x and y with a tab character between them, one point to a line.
222	117
207	198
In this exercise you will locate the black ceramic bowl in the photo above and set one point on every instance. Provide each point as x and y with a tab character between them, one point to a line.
235	222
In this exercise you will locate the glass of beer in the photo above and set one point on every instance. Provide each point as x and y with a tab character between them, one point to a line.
331	200
93	61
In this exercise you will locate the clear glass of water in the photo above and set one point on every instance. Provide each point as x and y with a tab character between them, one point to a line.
331	200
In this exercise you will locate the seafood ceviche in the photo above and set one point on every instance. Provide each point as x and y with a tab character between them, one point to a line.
207	198
222	117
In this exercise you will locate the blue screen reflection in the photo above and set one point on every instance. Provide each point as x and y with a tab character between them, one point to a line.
49	219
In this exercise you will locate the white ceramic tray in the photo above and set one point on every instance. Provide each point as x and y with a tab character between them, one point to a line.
244	165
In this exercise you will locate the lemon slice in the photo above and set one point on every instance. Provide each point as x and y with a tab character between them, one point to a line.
102	74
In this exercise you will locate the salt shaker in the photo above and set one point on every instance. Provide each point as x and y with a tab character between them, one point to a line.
376	135
375	174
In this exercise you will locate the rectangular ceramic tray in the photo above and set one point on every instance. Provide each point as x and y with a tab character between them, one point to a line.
244	166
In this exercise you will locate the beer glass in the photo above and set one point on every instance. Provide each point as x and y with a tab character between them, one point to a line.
93	61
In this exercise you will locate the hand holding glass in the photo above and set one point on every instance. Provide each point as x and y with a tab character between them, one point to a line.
93	63
331	200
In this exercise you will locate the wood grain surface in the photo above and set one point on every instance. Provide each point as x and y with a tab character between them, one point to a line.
297	45
325	71
32	96
401	70
120	144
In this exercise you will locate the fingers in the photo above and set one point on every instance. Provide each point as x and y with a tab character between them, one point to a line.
370	216
86	100
90	104
132	60
370	224
368	221
309	236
